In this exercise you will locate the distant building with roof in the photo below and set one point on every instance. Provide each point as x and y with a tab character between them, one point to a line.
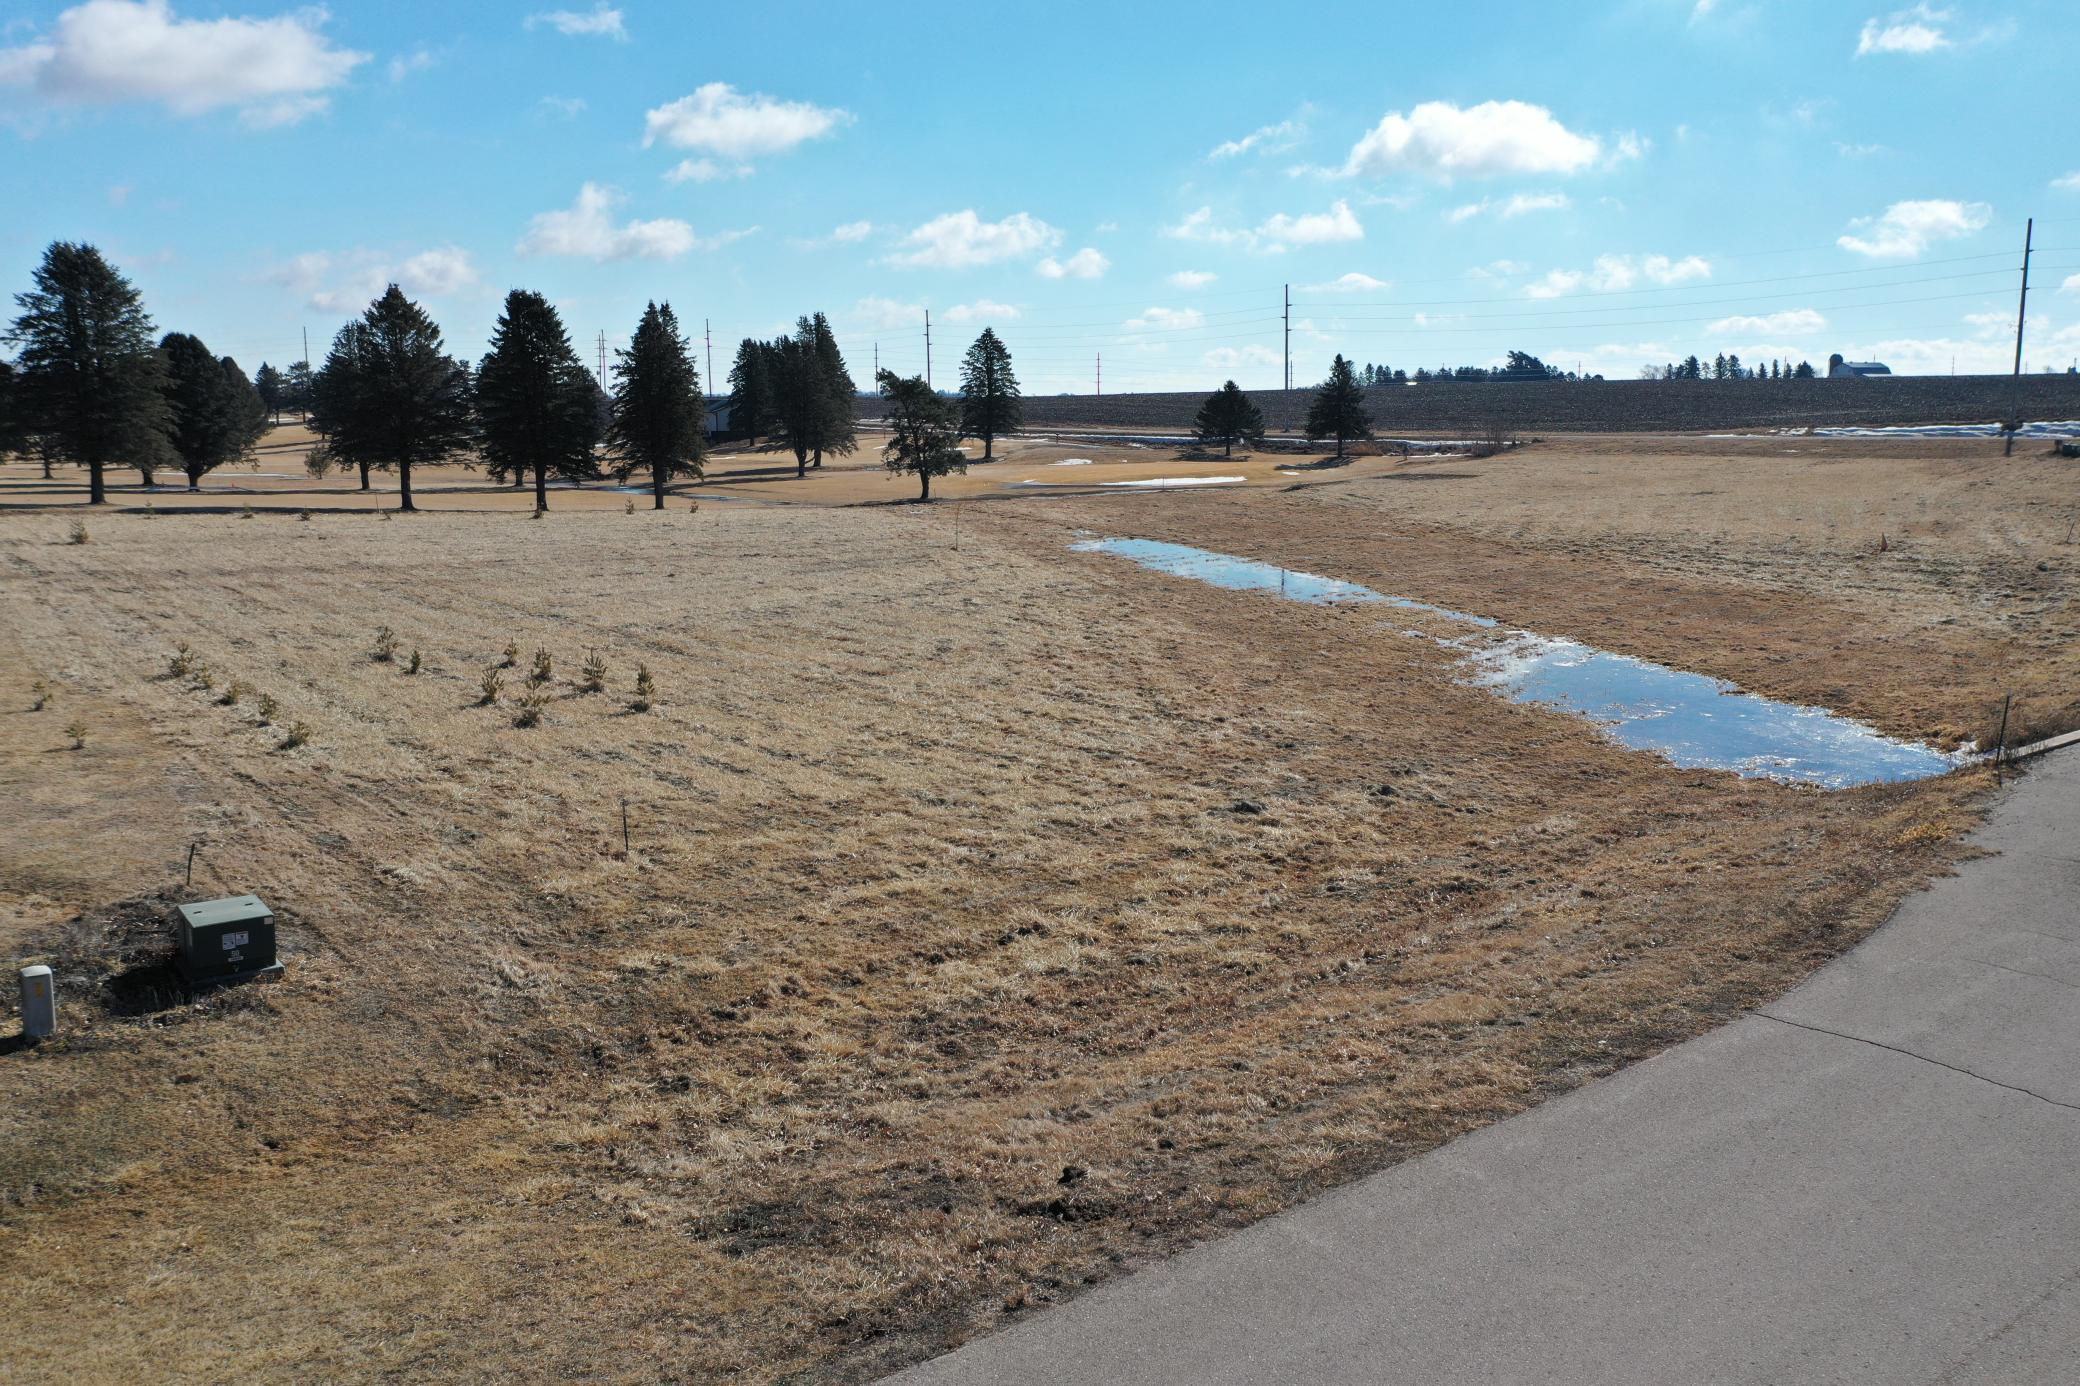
1838	369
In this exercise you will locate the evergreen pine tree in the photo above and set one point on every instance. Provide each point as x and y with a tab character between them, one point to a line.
90	375
215	413
395	400
1338	409
989	392
14	421
268	381
297	388
923	435
659	416
537	405
1228	417
750	393
801	404
840	431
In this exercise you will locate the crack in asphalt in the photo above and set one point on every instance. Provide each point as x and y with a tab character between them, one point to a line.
1895	1049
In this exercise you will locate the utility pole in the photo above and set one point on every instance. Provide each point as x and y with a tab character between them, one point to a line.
1289	336
928	348
877	365
306	346
1100	383
2029	235
709	338
603	360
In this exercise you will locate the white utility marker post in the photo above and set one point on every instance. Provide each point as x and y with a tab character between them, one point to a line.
39	1003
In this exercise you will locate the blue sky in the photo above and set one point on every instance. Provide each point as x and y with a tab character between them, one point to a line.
1613	183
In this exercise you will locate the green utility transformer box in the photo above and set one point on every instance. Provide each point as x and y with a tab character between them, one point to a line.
227	940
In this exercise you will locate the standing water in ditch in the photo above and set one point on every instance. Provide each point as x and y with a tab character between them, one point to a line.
1692	720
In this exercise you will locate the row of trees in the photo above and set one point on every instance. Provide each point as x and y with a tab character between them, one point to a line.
1516	366
1337	411
93	387
390	398
798	389
1729	367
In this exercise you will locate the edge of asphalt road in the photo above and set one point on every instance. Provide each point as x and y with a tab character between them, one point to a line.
1876	1178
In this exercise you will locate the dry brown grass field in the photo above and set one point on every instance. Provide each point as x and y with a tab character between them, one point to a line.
994	918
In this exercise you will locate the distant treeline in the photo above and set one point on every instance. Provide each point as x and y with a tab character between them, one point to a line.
1523	366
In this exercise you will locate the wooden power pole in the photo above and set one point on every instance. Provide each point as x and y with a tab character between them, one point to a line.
2029	235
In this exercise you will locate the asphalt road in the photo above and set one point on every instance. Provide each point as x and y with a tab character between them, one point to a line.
1874	1180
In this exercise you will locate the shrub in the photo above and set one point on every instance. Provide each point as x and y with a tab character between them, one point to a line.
544	669
386	645
233	691
629	508
527	708
491	683
77	534
181	662
304	514
245	511
204	679
414	666
297	735
512	659
267	707
595	673
646	690
77	730
42	693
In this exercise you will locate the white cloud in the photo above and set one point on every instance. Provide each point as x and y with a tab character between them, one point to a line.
853	231
1352	283
1791	322
1228	358
1275	233
1087	263
2069	183
2071	286
565	106
874	312
1192	279
1906	229
1268	139
405	64
1915	30
597	22
704	171
586	229
1617	273
1701	9
273	71
1508	208
962	240
346	282
718	119
981	310
1166	319
1494	137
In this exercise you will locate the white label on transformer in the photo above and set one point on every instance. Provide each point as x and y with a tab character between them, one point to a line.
232	941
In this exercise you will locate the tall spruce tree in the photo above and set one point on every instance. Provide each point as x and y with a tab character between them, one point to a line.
14	421
273	389
249	411
394	399
659	416
801	403
536	403
1229	417
1338	409
989	392
298	389
840	429
211	412
923	434
750	393
90	373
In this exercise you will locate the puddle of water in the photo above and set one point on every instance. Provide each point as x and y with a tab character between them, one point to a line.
1159	482
1691	720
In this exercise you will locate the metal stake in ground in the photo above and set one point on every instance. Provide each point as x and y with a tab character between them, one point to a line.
624	827
2000	745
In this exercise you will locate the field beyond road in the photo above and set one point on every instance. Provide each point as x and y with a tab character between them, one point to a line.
993	918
